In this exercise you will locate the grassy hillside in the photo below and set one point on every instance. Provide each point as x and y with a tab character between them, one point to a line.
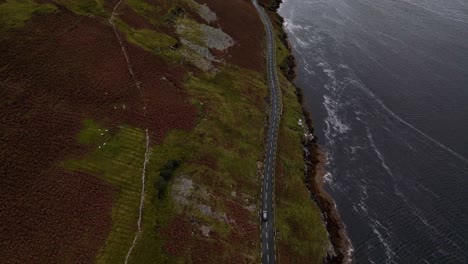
302	235
175	99
14	14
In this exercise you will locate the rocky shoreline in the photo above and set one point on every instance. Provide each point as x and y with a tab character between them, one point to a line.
341	248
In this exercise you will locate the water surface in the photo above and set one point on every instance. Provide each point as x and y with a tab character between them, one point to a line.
387	84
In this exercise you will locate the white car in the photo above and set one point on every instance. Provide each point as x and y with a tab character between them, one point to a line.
264	215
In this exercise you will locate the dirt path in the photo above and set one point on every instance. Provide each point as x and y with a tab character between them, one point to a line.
147	152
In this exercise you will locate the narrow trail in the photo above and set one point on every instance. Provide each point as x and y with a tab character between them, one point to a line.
124	51
147	138
142	198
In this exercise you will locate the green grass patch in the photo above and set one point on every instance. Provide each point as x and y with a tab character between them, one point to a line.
232	127
157	43
15	13
142	7
231	97
302	233
92	132
117	159
190	30
282	51
167	160
84	7
156	14
151	40
301	230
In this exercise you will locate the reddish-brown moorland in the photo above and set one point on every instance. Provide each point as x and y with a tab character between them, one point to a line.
56	71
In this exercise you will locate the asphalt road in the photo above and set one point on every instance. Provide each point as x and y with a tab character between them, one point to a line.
268	226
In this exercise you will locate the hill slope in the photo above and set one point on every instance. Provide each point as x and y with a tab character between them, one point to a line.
133	131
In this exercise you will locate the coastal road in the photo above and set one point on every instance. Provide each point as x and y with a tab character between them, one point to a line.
267	203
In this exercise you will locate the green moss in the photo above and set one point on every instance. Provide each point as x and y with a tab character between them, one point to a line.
151	40
146	10
156	14
190	30
159	14
142	7
15	13
84	7
157	43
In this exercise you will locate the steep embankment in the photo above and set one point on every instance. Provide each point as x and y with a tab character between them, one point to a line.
339	252
171	94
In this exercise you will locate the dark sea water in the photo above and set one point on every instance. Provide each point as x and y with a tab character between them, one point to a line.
386	82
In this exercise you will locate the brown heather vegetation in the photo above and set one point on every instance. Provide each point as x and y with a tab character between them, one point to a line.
56	71
178	235
62	217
